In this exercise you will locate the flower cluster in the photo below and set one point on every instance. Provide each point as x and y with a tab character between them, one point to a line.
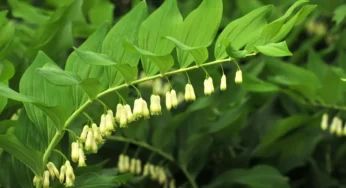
66	175
157	173
125	164
335	126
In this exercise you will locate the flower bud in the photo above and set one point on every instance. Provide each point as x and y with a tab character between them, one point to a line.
103	124
172	184
223	84
54	172
35	180
109	121
121	163
211	84
123	118
69	171
153	172
162	176
174	98
168	101
146	169
69	181
238	77
97	133
138	109
62	174
74	151
90	139
138	166
206	87
324	122
335	125
126	163
189	93
46	179
118	112
84	133
94	147
133	166
81	160
145	109
129	114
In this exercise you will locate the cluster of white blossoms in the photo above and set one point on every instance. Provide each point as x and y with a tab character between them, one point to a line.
335	126
65	176
125	164
157	173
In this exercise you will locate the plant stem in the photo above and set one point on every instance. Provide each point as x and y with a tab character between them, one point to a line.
59	135
142	144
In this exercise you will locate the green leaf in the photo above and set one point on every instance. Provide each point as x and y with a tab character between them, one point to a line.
57	76
242	31
3	17
162	62
6	70
339	14
281	128
101	180
84	71
164	21
251	83
128	72
287	27
204	19
29	157
261	176
5	125
275	49
233	52
7	33
27	12
199	54
126	29
54	112
56	98
101	11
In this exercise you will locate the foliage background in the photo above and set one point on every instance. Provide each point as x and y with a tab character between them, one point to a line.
263	133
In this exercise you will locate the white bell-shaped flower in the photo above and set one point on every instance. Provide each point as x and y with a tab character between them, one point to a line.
206	84
126	163
336	123
174	98
46	179
138	108
90	139
129	114
97	133
168	101
133	166
118	112
238	77
324	122
223	84
123	118
145	109
189	93
103	129
69	172
62	174
138	166
109	121
54	172
146	169
81	160
211	84
84	133
74	151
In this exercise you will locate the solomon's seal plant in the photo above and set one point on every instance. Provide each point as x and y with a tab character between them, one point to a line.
161	45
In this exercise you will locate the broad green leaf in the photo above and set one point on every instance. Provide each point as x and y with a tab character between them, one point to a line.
199	54
125	29
77	65
6	70
54	112
6	124
3	16
281	128
128	72
101	11
261	176
29	157
162	62
192	145
37	87
7	33
165	21
243	30
275	49
205	19
339	14
233	52
59	77
100	179
253	84
28	12
287	27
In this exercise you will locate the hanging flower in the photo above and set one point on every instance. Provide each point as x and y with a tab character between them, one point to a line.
54	172
145	109
81	160
129	114
324	122
84	133
223	84
90	139
74	151
174	98
168	100
46	179
238	77
118	112
62	174
189	93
